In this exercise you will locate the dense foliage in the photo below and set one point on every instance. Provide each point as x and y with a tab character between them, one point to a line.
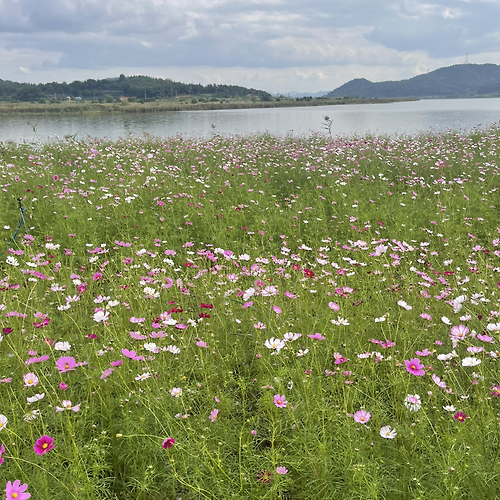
134	86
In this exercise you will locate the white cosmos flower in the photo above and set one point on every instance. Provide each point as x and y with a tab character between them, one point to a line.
3	421
387	433
493	327
32	415
403	304
412	402
248	293
62	346
12	261
301	352
447	357
144	376
101	316
35	398
290	337
471	362
176	392
273	343
151	347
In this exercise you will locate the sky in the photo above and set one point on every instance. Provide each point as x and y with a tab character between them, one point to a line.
279	46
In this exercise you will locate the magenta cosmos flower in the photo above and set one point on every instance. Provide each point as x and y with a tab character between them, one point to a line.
460	416
43	445
16	491
280	401
362	416
415	367
65	364
168	443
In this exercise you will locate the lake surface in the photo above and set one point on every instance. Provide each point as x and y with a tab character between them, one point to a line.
401	118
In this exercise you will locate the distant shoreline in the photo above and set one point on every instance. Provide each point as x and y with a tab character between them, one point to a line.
87	107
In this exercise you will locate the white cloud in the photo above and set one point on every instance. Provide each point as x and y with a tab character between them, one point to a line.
285	43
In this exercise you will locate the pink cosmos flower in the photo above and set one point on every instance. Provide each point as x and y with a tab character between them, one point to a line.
333	306
16	491
213	414
458	333
339	359
362	417
138	336
107	373
43	445
486	338
438	382
316	336
280	401
281	470
415	367
65	364
168	443
495	390
2	451
132	355
425	352
30	380
137	320
66	405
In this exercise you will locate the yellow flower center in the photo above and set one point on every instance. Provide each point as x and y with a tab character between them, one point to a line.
44	445
14	495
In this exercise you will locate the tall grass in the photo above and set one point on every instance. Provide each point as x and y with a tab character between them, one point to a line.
243	317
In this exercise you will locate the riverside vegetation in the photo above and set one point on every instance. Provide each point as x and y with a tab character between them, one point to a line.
251	317
185	103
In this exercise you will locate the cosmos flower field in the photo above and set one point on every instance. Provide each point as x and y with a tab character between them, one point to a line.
251	317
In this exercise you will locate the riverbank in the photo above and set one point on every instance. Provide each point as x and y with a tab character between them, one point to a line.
93	107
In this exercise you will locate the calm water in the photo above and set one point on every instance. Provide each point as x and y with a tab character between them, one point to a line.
361	119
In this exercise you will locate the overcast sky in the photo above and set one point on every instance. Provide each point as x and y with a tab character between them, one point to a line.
274	45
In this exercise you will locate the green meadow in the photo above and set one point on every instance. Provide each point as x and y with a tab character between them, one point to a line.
251	317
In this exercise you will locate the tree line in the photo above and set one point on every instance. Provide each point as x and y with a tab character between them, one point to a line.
138	87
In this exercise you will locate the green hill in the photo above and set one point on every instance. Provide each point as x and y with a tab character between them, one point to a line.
461	80
139	87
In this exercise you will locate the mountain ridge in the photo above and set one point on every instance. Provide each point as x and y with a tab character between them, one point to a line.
460	80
